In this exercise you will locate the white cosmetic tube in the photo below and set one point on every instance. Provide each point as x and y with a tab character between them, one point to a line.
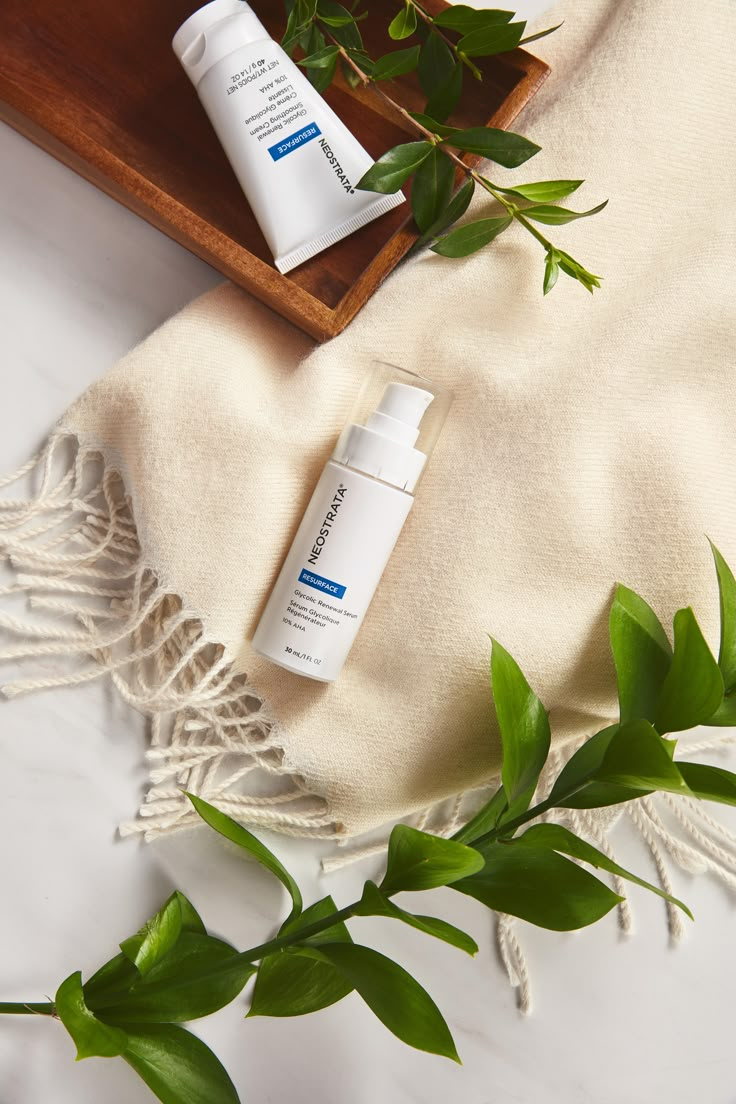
351	525
297	163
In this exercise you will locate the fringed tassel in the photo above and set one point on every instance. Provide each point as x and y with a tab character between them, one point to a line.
514	960
76	555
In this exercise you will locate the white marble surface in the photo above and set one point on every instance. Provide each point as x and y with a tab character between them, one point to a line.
616	1019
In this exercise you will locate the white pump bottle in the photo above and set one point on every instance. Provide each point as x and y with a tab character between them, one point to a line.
348	533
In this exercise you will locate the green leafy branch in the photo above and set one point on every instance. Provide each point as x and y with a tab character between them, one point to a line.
483	33
173	970
329	33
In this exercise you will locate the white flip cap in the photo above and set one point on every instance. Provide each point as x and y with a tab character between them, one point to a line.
384	446
213	32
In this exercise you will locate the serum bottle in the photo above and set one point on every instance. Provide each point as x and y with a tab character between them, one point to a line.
351	524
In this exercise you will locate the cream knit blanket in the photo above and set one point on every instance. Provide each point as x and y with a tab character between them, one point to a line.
591	440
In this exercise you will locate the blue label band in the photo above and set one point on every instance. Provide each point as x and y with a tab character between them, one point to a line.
288	145
318	583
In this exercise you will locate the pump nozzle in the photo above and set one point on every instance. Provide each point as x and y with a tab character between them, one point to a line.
400	412
384	446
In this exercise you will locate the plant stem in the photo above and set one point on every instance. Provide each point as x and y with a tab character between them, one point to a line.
511	209
27	1009
368	82
301	934
524	818
533	230
436	139
461	57
297	936
512	825
492	189
255	954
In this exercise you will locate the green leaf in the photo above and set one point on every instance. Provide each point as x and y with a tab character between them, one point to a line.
639	758
502	146
292	983
543	191
725	714
540	34
558	838
432	188
374	903
598	795
192	981
709	783
334	15
321	79
558	216
323	59
156	938
190	919
524	726
312	40
471	237
321	67
91	1037
440	129
394	996
396	63
404	24
342	23
581	766
350	76
618	764
485	820
446	96
575	271
540	886
457	207
436	64
177	1066
551	271
492	39
111	981
641	653
395	167
235	832
727	597
460	17
693	688
361	58
417	860
320	910
300	17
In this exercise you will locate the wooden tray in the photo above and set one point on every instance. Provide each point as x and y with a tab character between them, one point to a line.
95	83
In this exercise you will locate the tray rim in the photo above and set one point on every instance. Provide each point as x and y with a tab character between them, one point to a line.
46	125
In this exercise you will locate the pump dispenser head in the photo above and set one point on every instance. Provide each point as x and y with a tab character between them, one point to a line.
399	412
390	443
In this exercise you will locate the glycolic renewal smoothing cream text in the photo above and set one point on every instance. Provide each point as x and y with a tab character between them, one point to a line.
351	525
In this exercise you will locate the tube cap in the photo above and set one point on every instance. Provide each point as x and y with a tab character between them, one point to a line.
213	32
384	445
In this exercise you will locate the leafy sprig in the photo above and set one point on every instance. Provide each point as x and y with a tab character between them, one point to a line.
173	970
329	34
